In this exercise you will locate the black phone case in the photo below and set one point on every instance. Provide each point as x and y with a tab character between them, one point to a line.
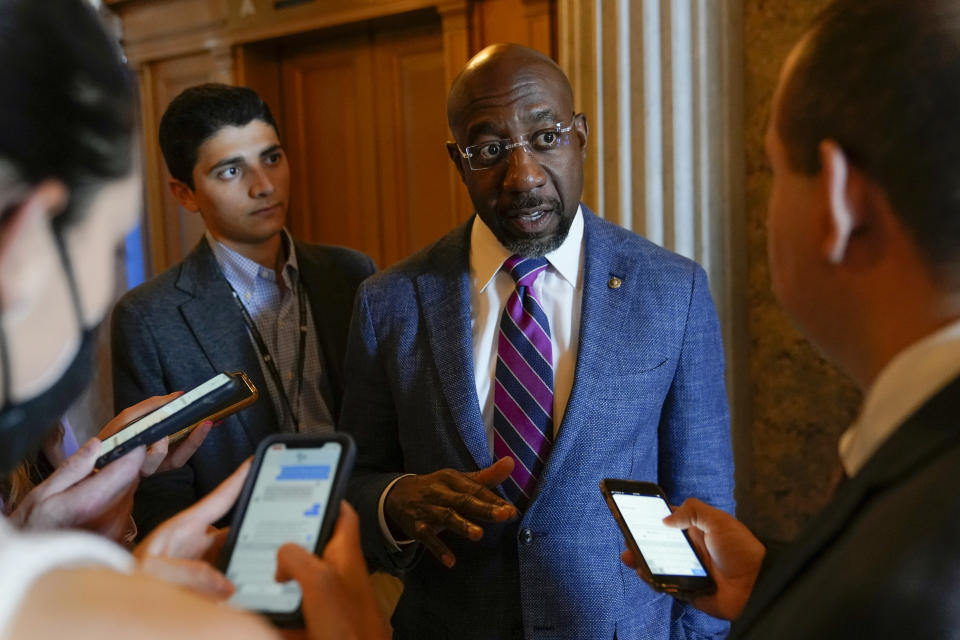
344	469
607	486
238	393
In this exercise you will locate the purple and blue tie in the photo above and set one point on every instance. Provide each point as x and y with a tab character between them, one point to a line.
523	384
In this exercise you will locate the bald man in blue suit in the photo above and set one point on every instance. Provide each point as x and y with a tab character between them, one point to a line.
637	389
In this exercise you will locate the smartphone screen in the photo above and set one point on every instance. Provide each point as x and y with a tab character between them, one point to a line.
137	427
287	504
665	550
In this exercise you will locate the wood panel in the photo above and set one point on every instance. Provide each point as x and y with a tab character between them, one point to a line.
417	204
330	117
163	29
526	22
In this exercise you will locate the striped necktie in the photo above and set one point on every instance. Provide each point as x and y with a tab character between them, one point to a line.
523	386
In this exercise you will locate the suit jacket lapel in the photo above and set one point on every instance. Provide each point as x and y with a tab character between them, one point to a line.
444	292
601	308
219	329
317	280
925	433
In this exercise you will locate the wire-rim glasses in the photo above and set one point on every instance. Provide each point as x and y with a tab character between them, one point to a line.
489	154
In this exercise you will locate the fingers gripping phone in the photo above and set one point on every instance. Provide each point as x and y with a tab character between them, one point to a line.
674	566
292	494
218	397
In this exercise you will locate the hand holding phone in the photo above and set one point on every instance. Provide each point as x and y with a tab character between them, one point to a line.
338	597
184	548
218	397
669	560
732	554
292	494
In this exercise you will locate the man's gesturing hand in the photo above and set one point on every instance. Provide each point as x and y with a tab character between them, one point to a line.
448	500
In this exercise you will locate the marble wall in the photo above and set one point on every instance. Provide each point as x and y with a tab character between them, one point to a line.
800	403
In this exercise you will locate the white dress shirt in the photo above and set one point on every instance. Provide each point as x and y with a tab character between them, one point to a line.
908	381
559	288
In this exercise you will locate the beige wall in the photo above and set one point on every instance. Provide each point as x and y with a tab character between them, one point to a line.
800	404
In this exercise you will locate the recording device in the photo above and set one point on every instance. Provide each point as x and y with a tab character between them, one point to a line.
292	494
217	398
673	565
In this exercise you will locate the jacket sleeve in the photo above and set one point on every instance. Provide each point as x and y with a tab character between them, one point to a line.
695	454
138	374
370	417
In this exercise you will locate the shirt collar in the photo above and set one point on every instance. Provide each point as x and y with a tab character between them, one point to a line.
487	254
911	378
242	272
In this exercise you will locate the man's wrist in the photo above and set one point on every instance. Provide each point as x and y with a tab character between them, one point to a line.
392	542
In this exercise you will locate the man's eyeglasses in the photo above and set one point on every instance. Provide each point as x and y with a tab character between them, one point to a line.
487	155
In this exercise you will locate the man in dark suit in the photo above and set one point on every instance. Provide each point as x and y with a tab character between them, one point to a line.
864	239
249	297
497	376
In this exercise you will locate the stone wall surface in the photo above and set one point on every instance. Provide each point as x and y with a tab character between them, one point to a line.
800	403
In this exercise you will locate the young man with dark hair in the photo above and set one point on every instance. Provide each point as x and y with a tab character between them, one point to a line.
249	297
864	243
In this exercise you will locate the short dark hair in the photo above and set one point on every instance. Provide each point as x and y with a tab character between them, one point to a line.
882	79
200	112
68	105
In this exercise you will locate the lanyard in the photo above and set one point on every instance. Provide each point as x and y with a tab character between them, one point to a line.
268	360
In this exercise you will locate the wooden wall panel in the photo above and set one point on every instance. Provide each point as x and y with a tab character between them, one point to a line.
329	111
527	22
417	204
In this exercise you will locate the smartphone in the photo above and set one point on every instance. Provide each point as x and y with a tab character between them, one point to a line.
292	494
218	397
673	563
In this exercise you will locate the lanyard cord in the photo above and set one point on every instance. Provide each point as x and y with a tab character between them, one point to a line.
265	351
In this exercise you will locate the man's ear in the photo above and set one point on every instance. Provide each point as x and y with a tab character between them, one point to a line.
454	152
844	214
582	129
184	195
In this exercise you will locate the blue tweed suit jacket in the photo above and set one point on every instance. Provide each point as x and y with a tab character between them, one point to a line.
182	327
648	402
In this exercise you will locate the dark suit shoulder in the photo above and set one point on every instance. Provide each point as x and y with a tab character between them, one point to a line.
448	255
159	290
341	261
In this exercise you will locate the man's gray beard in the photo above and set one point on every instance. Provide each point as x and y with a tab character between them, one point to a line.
539	246
536	247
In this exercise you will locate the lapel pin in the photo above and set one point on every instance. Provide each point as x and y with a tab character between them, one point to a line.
614	282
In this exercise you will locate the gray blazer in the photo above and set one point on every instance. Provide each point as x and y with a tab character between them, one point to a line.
183	326
647	402
882	560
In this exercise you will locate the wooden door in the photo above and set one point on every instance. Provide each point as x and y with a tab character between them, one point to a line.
330	121
365	126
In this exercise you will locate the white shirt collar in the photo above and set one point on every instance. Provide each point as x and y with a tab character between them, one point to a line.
487	254
911	378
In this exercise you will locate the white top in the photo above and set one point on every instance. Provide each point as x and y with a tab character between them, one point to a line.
24	557
908	381
559	288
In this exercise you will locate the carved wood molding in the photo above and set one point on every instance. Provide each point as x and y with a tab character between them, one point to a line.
228	26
